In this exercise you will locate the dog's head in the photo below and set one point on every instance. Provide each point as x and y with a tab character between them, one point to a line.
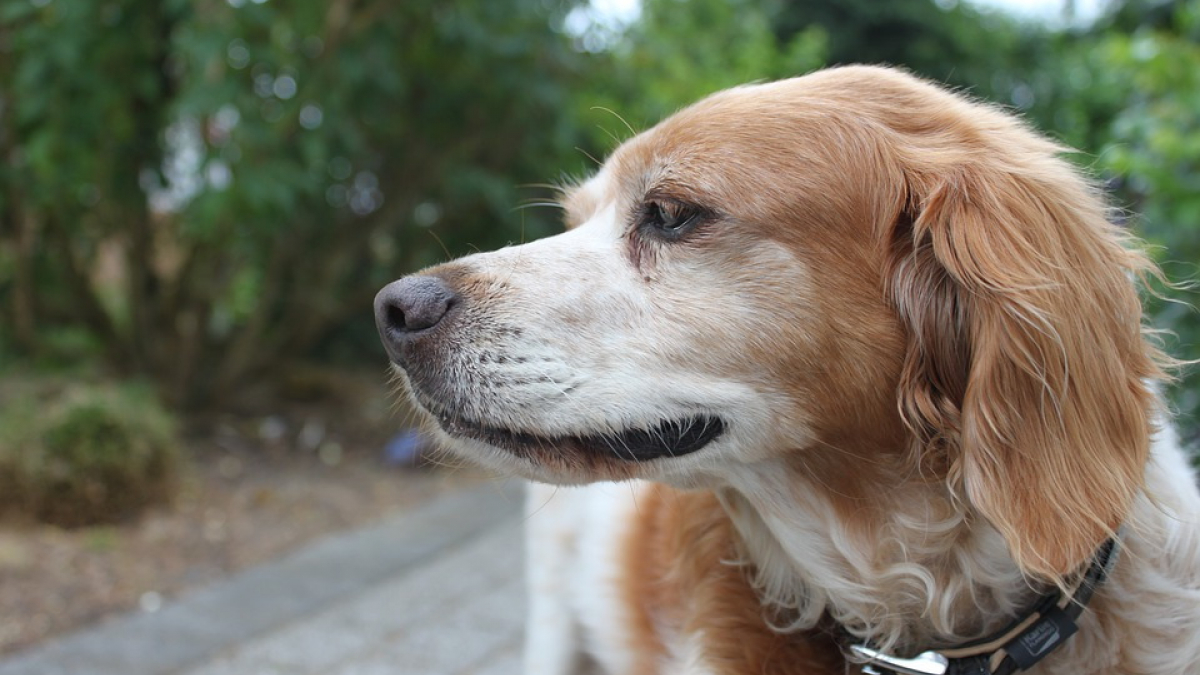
853	274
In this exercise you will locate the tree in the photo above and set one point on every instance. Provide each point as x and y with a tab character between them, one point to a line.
951	42
1152	152
679	51
203	189
1126	93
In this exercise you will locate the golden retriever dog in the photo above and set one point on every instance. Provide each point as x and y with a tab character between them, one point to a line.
843	373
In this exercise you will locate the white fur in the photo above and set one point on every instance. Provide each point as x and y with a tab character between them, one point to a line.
604	346
1150	608
805	560
637	368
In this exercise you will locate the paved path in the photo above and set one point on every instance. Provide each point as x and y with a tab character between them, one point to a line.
432	592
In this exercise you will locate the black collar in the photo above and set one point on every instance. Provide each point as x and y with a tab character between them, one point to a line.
1018	646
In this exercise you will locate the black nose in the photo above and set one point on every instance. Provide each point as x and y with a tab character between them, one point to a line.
406	308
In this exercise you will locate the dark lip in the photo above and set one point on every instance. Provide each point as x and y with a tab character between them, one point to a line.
668	438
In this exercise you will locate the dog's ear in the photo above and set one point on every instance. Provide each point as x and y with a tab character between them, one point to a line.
1026	373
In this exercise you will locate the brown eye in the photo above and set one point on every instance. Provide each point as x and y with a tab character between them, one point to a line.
669	220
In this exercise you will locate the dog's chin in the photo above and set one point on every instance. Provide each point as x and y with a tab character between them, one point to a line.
665	439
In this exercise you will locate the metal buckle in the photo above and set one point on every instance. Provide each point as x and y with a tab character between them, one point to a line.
927	663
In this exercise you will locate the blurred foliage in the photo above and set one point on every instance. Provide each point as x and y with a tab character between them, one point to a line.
1127	93
951	42
680	52
1154	148
203	191
86	456
211	188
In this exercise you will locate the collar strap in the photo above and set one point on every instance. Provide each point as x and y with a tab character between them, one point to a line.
1018	646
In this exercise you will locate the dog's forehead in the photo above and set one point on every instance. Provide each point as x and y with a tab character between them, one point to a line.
731	144
762	153
704	136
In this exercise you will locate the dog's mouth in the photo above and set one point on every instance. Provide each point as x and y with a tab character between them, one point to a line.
668	438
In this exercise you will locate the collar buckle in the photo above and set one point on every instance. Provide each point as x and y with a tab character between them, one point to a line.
926	663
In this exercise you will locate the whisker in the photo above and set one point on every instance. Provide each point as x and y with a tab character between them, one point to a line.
441	243
614	114
528	205
609	134
534	512
585	154
554	187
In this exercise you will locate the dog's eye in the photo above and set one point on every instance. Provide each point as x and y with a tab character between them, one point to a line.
669	219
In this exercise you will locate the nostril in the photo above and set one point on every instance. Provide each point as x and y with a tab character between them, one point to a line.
396	318
418	313
411	305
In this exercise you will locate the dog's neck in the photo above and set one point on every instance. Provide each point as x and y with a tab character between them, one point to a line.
906	568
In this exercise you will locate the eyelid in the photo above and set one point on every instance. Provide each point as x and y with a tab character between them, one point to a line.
654	211
675	208
680	198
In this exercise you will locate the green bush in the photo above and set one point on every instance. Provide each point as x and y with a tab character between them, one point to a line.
257	171
86	456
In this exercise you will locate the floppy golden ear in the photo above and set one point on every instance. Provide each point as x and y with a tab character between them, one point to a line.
1026	371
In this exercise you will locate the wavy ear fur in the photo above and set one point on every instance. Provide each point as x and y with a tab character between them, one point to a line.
1027	376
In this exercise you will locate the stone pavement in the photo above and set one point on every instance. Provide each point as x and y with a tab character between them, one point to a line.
437	591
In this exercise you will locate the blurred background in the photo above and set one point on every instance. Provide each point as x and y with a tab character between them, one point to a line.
199	199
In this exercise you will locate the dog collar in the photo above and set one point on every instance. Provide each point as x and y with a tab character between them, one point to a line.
1018	646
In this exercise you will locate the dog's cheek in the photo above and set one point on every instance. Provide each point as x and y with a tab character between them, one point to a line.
739	310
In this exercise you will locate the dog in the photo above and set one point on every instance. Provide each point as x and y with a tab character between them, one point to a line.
839	373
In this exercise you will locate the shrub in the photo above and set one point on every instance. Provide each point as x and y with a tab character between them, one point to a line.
87	455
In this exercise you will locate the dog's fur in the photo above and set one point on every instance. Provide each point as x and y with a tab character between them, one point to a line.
923	338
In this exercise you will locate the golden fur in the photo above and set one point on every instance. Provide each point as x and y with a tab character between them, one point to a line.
678	572
925	339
